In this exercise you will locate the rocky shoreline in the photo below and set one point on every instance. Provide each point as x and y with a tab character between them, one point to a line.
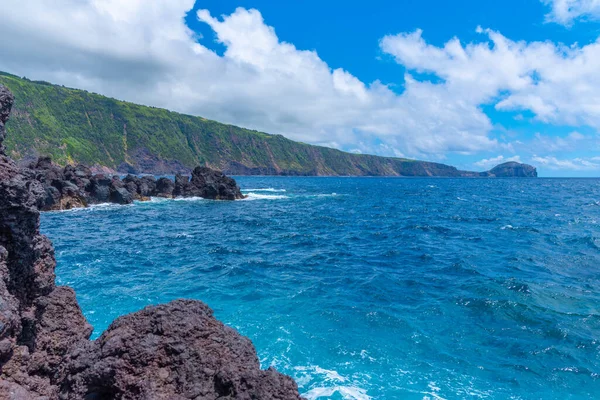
173	351
77	187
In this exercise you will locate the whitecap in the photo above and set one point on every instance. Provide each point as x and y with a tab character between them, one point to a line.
258	196
189	199
338	384
347	393
264	190
90	208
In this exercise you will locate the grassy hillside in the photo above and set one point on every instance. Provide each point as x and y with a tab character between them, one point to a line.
77	126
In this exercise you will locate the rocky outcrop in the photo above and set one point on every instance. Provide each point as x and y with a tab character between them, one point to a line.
173	351
513	170
76	186
39	322
207	183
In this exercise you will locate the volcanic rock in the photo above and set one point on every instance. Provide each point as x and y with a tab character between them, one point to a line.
215	185
164	188
173	351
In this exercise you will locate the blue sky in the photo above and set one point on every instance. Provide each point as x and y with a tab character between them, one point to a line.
469	83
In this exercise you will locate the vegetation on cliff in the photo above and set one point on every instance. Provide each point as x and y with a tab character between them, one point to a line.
75	126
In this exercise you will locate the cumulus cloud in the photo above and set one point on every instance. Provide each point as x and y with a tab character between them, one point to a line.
488	163
566	11
143	52
558	84
575	164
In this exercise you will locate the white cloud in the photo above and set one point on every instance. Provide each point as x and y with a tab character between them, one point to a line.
559	84
575	164
143	52
566	11
488	163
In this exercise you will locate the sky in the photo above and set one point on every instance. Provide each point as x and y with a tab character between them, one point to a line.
469	83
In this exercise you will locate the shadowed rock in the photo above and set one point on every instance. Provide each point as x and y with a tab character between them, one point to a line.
75	186
215	185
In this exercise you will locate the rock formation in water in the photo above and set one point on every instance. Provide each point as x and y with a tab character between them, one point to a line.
76	186
173	351
513	169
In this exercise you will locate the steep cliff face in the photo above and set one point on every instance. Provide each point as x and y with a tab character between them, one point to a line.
174	351
74	126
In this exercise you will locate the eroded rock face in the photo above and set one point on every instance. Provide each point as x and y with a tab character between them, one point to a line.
173	351
39	322
215	185
76	186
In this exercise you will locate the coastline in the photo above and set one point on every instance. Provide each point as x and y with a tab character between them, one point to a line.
177	350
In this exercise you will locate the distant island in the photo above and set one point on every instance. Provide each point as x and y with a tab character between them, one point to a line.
75	126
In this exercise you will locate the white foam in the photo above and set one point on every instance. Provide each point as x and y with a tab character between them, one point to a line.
91	207
347	393
258	196
338	384
264	190
189	199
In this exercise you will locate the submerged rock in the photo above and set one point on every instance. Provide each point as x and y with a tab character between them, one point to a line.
173	351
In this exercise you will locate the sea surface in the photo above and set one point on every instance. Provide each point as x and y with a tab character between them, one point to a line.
368	288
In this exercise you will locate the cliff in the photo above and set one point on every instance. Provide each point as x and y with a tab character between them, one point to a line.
75	126
173	351
513	170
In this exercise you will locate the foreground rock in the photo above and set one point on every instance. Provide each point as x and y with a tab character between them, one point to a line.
76	186
173	351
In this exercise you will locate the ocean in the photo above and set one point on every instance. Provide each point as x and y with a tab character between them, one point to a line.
368	288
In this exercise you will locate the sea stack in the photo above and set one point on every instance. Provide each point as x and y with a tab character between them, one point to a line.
173	351
513	169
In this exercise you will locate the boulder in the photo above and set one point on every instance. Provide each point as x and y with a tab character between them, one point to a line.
147	186
215	185
173	351
99	189
119	193
164	188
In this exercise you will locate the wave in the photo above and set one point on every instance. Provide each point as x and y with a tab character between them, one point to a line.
264	190
347	393
258	196
91	207
189	199
338	385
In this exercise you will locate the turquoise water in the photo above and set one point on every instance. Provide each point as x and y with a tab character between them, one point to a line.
366	288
